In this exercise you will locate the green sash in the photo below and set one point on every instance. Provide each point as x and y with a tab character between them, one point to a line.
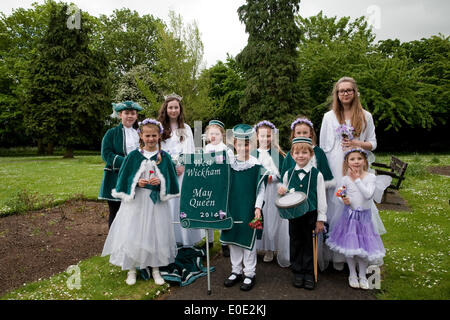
242	197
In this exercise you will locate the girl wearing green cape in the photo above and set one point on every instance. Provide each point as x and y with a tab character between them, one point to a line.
142	233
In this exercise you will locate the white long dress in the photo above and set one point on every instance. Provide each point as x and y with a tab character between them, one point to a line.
141	235
275	235
330	143
173	146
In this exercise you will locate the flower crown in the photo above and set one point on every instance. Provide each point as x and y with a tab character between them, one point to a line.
151	121
173	95
301	120
265	123
360	150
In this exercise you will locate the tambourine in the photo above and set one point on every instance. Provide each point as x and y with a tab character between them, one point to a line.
292	205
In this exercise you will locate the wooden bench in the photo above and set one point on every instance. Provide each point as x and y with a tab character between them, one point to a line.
396	169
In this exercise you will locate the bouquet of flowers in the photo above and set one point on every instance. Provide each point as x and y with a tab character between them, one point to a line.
256	224
345	132
341	192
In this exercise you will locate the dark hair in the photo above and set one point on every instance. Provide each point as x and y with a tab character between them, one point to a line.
163	117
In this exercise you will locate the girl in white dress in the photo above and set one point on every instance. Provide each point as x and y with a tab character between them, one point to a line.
177	139
275	236
347	110
353	234
142	235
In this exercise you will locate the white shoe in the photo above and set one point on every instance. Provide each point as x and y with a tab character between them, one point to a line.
363	283
131	277
353	282
268	257
157	277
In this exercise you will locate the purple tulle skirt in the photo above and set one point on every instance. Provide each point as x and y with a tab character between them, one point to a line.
354	235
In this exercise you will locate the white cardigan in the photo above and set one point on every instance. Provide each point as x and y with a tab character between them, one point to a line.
330	123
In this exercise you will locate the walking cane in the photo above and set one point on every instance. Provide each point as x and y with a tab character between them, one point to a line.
314	238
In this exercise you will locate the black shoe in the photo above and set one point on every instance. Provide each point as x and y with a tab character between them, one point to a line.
298	281
230	283
309	284
248	286
225	251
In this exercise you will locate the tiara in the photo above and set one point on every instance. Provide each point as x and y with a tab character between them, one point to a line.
265	123
151	121
173	95
301	120
360	150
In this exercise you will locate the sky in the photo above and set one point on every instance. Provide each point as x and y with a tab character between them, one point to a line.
222	32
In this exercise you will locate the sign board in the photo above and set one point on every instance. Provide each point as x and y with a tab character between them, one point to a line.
204	191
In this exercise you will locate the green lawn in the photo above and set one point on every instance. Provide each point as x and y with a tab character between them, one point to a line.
36	182
417	242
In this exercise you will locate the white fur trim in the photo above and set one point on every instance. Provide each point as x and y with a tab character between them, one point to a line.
162	192
128	197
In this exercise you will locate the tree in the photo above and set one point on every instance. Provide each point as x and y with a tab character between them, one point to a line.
128	40
68	96
329	49
269	61
19	34
226	88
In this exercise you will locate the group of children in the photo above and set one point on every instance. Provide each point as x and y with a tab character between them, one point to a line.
147	180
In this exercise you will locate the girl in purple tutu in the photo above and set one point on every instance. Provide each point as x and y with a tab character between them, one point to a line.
354	235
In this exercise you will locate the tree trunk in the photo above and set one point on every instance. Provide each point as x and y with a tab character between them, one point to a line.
50	148
68	153
40	147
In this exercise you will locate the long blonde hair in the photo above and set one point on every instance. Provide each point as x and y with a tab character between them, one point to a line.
273	141
358	119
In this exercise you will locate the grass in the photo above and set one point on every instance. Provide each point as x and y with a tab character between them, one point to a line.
417	242
36	182
98	280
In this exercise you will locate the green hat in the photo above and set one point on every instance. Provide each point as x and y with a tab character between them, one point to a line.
243	131
302	140
217	123
126	105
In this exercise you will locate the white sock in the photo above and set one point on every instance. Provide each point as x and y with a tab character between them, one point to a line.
157	276
362	265
351	266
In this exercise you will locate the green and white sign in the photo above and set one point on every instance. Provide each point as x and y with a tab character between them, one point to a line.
204	192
